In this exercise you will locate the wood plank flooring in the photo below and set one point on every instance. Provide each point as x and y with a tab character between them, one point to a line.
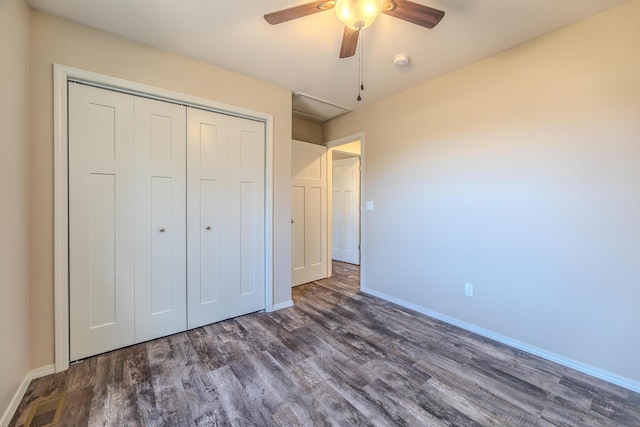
339	357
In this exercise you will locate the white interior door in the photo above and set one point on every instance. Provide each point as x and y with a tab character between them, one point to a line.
309	212
226	214
346	210
160	222
101	220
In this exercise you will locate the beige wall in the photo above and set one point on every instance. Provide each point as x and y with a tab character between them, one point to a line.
55	40
14	277
306	130
519	174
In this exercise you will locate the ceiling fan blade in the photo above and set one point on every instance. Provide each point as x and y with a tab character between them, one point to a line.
415	13
295	12
349	42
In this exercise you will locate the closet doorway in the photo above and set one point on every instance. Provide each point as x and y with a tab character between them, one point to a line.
153	176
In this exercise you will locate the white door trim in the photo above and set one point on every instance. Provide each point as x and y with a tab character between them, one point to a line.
61	75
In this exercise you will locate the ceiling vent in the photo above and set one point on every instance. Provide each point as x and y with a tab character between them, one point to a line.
318	110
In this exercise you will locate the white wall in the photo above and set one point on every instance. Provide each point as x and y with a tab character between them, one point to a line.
14	278
521	175
55	40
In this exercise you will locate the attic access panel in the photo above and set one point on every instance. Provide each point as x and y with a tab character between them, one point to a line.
311	108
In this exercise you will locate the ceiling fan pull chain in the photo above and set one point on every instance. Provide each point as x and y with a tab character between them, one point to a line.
361	66
362	63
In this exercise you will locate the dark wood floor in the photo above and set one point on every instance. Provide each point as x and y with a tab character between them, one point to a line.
339	357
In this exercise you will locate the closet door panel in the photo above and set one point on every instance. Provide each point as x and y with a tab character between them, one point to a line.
102	252
249	268
207	154
208	234
161	258
160	236
226	216
101	220
247	142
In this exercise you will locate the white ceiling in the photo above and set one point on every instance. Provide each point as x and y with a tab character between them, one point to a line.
302	55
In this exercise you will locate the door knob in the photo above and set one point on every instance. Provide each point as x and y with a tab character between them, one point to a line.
208	227
162	229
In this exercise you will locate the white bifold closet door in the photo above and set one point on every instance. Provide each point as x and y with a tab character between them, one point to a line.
127	219
226	203
160	221
101	220
163	235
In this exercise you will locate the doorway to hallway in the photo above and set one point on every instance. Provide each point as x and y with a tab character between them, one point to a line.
345	213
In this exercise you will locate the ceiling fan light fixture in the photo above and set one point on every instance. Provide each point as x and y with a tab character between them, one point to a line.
358	14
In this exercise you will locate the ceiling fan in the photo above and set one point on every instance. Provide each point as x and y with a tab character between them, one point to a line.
359	14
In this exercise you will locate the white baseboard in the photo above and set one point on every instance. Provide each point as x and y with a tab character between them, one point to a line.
282	305
43	371
19	394
553	357
15	401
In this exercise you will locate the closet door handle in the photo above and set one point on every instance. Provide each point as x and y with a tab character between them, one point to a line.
162	229
208	227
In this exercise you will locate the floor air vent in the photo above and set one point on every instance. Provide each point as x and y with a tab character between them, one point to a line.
45	412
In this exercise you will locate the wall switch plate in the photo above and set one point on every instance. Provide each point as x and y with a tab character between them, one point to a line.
468	289
368	205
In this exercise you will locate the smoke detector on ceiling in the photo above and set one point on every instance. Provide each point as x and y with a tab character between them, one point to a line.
401	60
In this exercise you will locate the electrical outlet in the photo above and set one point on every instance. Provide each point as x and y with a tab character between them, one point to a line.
468	289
